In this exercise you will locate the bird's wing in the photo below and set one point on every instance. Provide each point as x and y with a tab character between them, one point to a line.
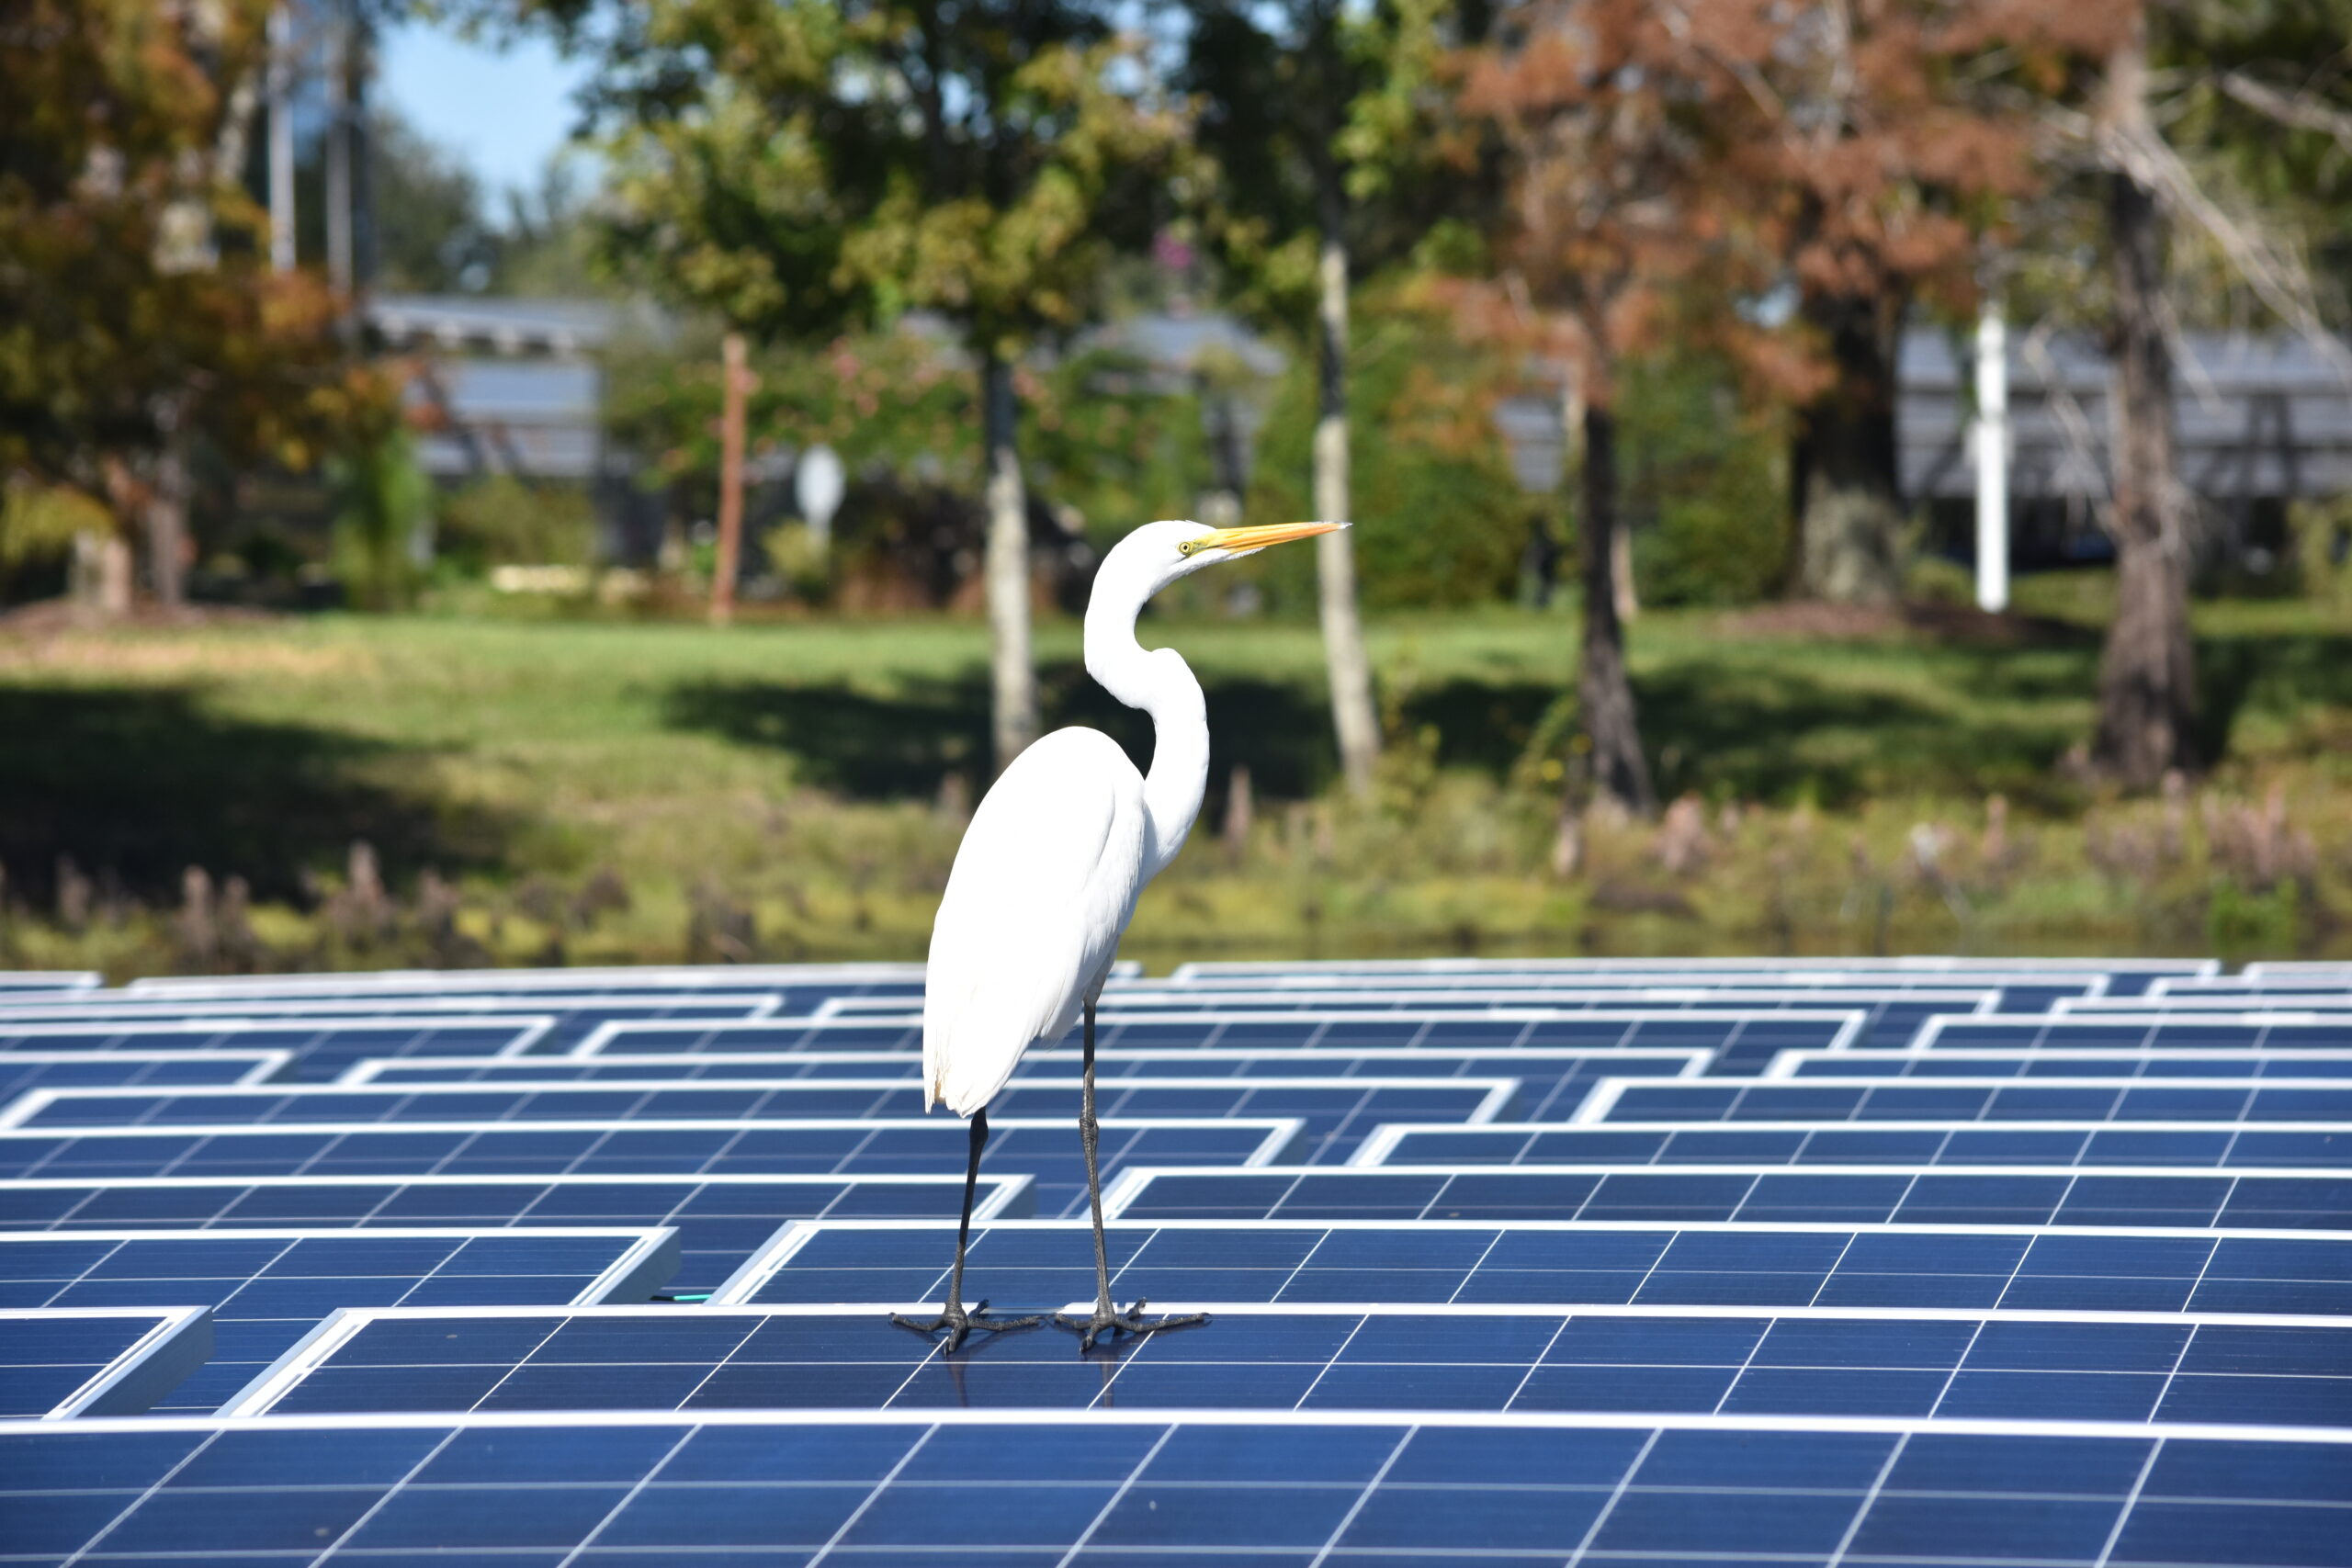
1041	887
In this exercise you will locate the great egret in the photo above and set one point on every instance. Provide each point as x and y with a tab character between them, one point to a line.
1047	875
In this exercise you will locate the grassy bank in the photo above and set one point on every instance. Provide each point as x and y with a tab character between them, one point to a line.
618	790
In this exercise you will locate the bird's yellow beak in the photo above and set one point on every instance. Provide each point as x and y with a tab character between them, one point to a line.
1242	540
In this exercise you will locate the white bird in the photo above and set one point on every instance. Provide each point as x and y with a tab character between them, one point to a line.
1047	875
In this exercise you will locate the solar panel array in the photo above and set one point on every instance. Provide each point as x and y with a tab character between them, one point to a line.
1571	1261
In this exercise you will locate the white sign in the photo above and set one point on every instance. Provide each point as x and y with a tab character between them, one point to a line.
818	486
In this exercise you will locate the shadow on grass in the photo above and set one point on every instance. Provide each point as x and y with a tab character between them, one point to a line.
1735	722
898	745
2258	672
141	785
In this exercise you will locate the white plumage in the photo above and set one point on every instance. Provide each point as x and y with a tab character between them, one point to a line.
1048	872
1044	884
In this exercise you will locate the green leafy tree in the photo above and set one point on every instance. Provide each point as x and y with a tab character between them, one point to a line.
1324	118
805	167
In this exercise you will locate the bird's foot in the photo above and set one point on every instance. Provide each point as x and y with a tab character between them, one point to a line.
1108	1321
959	1320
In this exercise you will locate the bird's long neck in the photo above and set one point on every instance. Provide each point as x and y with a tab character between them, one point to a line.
1162	685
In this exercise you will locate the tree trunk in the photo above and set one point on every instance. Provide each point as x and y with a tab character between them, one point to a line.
2146	679
1013	676
1343	650
1848	488
1603	690
166	511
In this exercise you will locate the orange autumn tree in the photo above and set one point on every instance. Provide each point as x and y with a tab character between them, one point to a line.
1879	140
139	317
1608	115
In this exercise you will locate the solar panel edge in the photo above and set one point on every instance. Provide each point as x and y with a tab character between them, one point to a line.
314	1355
1891	1426
159	1360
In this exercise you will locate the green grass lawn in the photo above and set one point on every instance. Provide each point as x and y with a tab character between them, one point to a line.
794	770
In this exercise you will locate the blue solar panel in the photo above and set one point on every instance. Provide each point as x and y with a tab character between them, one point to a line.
1336	1113
1260	1489
269	1287
57	1362
1744	1040
721	1221
1048	1151
1027	1264
2154	1031
322	1048
1890	1019
2062	1063
24	1070
2311	1145
1966	1099
1806	1362
1853	1246
1850	1194
1551	1082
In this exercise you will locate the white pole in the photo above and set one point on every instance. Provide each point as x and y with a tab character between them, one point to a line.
281	139
1992	441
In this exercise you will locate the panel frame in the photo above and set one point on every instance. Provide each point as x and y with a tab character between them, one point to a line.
259	1397
269	1065
646	1261
1128	1186
1932	1031
1787	1066
1605	1093
1851	1021
1373	1152
738	1288
178	1342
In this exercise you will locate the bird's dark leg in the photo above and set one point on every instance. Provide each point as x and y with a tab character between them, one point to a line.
956	1319
1107	1319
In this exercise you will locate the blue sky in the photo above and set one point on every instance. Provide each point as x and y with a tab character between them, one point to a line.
506	112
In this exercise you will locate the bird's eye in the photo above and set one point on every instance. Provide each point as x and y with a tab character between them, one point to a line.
1186	547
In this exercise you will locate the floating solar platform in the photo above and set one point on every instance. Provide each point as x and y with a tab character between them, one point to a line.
24	1070
2031	1195
1969	1100
1929	1145
2150	1031
1809	1362
1047	1152
1742	1041
321	1047
458	981
1034	1158
2281	1005
1030	1265
1335	1113
268	1288
721	1221
1890	1019
1260	1488
2064	1063
2118	976
57	1363
42	981
569	1018
1551	1082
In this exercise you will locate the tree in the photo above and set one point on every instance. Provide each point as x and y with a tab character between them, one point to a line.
1607	112
137	317
1312	109
2261	94
807	167
1871	157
